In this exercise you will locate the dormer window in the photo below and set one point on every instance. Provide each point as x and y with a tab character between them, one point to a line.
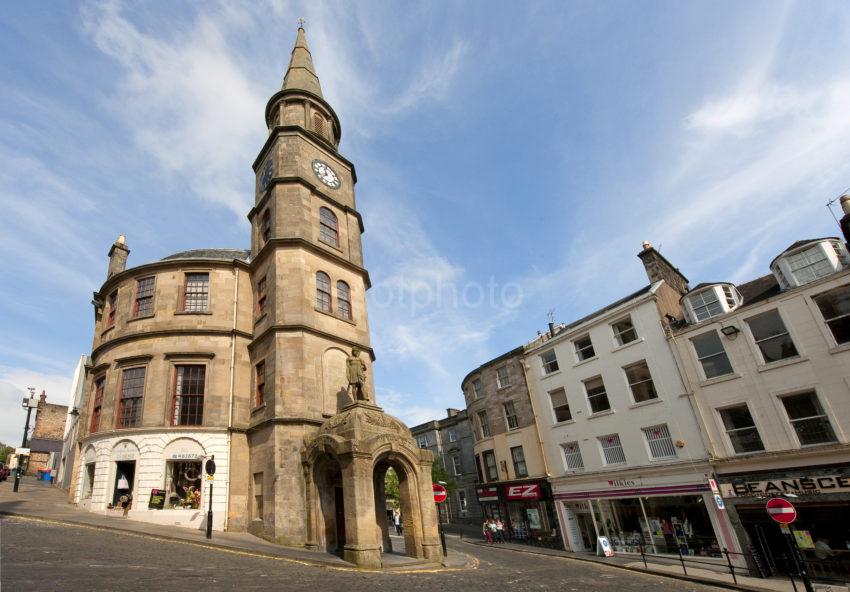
804	263
711	301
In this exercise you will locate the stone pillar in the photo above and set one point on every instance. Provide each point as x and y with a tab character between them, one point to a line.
431	547
361	541
379	486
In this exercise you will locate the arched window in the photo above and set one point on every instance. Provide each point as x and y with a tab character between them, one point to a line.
266	226
323	291
343	300
328	227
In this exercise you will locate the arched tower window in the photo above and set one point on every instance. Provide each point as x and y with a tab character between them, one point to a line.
343	300
266	226
328	227
323	291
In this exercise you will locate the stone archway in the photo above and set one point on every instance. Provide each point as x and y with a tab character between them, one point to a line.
365	442
409	501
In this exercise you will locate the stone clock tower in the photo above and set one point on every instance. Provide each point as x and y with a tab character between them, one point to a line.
317	454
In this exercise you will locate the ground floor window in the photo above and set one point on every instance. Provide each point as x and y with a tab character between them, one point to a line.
183	484
89	480
525	522
661	524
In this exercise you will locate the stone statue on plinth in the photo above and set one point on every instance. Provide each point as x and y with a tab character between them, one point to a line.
356	373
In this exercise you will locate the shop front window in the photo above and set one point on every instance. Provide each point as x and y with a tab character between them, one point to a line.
183	484
665	525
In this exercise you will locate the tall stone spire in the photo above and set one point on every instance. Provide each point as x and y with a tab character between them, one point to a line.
301	75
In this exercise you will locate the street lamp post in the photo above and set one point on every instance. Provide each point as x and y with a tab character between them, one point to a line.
28	404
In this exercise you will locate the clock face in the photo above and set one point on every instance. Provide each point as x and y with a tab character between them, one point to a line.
268	171
326	174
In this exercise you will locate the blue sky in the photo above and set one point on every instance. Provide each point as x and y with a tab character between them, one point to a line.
531	147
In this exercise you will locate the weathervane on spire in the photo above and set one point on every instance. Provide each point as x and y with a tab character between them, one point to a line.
301	22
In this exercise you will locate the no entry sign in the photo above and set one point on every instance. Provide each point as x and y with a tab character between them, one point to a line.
781	510
439	493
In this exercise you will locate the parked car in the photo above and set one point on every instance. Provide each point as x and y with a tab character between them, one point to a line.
4	471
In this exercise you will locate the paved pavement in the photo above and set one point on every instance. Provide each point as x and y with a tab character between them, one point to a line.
36	555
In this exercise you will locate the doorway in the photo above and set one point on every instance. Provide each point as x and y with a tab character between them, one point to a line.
125	474
339	507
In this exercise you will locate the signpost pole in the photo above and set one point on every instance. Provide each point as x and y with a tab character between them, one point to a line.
28	404
440	496
799	560
210	466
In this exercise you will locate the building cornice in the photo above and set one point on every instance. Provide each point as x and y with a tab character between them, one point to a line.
199	263
128	432
273	421
285	328
142	335
307	135
514	353
301	243
315	189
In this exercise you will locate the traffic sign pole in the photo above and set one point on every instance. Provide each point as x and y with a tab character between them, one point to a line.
783	512
440	495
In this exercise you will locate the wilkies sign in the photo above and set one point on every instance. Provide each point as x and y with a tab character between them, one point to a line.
816	485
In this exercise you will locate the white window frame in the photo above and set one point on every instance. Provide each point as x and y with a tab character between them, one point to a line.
823	415
573	460
581	351
462	502
456	466
705	304
604	392
423	441
484	425
632	384
812	268
547	365
452	436
658	439
554	409
616	458
758	342
509	416
827	321
502	383
727	431
722	352
618	335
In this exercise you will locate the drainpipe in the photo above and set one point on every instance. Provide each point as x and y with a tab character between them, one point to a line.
525	370
692	399
230	404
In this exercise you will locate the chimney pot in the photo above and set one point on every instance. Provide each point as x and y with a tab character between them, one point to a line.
43	396
647	245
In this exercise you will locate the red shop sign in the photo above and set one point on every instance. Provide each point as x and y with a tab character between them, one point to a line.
523	492
488	494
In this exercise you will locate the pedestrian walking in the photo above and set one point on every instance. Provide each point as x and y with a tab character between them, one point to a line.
488	534
397	520
500	531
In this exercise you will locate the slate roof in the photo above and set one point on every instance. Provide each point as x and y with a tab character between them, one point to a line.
605	309
759	289
220	254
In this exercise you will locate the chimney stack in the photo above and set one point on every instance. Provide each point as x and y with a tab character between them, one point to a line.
42	398
117	257
451	412
845	220
658	268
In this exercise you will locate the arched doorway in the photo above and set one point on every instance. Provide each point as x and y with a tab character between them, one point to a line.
330	527
408	505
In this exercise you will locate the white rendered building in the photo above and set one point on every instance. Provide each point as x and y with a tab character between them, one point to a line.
622	442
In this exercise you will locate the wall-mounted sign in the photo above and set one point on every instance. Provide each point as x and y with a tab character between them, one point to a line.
797	485
488	494
622	483
178	455
157	501
713	484
523	492
721	505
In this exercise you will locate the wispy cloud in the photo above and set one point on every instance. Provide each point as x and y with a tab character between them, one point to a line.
13	388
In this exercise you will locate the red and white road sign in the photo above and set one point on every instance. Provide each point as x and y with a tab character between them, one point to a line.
439	493
781	510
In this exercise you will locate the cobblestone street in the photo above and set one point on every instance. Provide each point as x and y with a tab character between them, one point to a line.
45	556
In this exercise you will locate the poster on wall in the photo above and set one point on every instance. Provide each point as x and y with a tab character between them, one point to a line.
534	519
157	501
